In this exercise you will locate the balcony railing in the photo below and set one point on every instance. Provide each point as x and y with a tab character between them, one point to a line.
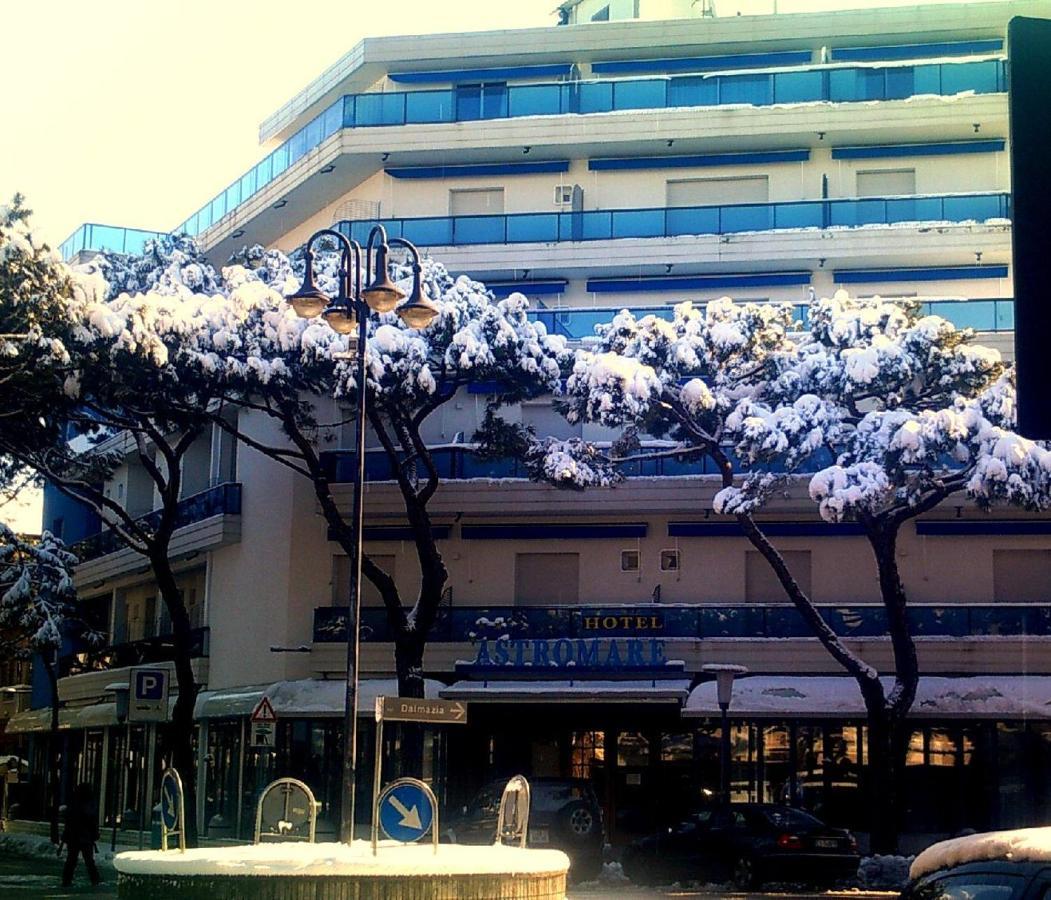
666	222
981	315
107	237
223	499
148	651
836	84
655	620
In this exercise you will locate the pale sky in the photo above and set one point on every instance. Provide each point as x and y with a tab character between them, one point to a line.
135	113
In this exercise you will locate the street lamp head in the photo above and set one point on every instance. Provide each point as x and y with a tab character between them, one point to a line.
383	294
309	300
419	311
340	318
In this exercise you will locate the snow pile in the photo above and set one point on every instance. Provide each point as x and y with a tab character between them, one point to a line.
884	872
1021	845
260	860
612	875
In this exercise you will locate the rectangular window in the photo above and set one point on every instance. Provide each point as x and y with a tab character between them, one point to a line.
718	191
481	101
763	586
547	579
481	202
1022	576
341	580
887	183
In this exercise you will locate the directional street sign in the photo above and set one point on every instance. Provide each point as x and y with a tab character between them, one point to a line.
406	811
148	695
408	709
170	804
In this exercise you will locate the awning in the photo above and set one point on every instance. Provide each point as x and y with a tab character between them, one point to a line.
820	696
95	715
673	690
305	697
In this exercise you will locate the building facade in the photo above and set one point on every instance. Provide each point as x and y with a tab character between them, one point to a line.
642	153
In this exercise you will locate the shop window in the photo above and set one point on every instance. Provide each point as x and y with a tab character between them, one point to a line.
547	579
763	586
341	580
587	753
887	183
630	560
718	191
482	202
676	748
914	753
633	749
1022	576
942	748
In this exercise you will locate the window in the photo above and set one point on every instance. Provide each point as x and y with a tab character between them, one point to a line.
718	191
887	183
978	886
633	749
547	579
602	15
629	561
341	580
671	560
483	202
763	586
1021	576
481	101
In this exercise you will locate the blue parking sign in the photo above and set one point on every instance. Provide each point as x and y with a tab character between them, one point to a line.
148	695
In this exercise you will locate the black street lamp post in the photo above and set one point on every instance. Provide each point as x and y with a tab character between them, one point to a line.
724	686
348	311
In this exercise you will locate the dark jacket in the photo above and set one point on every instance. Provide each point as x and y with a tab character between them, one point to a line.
82	821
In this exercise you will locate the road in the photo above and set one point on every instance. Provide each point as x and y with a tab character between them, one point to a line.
41	878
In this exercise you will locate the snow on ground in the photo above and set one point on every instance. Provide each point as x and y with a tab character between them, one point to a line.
1021	845
340	859
35	846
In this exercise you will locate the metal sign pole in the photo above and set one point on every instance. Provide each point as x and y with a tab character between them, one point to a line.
377	776
151	756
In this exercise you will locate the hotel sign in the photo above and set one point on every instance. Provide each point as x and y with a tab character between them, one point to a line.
570	654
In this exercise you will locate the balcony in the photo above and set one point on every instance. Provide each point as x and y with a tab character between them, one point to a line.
148	651
994	315
668	222
223	499
654	620
107	237
835	84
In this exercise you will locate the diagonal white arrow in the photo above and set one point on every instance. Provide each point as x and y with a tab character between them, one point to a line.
410	818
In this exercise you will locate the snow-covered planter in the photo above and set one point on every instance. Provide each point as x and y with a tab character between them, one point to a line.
324	871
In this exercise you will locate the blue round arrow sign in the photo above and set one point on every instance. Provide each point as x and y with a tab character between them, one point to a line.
406	812
170	804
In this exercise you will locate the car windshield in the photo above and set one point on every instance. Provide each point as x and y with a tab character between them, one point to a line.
553	795
790	819
976	886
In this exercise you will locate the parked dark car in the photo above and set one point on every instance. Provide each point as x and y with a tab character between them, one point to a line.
564	814
1005	865
748	843
989	880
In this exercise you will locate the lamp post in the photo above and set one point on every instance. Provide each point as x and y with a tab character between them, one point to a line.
350	309
724	687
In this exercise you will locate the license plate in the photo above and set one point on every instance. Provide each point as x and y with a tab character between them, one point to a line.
826	843
539	836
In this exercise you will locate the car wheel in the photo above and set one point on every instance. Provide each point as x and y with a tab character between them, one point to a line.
578	821
744	875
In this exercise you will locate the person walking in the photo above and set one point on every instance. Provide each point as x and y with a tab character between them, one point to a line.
81	833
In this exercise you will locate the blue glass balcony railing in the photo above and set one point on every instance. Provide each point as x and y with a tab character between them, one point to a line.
107	237
223	499
838	84
470	623
148	651
981	315
663	222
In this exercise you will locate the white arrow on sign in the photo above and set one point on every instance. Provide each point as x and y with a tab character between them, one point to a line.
410	818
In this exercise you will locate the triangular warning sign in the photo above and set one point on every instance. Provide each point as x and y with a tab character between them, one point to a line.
264	711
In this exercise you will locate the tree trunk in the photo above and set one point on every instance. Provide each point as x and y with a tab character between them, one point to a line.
408	660
54	752
180	731
887	744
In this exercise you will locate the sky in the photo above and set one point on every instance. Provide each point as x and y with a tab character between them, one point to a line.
135	113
